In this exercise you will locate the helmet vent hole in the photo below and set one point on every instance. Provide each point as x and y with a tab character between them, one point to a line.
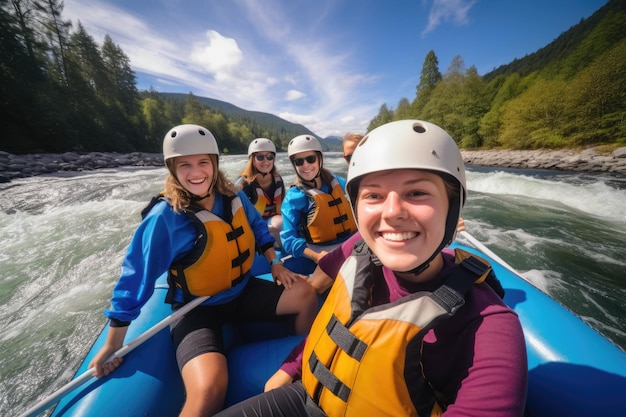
419	128
201	132
434	153
173	134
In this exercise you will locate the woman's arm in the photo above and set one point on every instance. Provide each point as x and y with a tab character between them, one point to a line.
293	207
495	384
162	237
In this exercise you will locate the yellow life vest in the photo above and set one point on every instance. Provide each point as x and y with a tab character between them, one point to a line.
222	256
361	360
330	216
265	204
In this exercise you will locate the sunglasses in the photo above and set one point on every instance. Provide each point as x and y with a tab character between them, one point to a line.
261	158
347	158
300	161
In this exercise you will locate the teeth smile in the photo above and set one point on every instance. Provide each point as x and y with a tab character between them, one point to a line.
398	237
200	181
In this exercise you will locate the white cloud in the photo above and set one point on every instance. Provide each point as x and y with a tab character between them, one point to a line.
217	54
293	95
448	10
269	65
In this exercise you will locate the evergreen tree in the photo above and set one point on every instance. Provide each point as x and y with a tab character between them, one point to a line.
20	78
384	116
57	32
429	77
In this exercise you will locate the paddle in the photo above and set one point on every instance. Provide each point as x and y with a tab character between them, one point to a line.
488	252
121	352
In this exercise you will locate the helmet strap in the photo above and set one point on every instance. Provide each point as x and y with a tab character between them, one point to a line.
194	197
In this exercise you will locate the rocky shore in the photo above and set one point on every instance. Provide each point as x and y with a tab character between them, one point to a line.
21	166
588	160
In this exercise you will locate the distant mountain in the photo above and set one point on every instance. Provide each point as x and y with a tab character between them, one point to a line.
332	143
249	117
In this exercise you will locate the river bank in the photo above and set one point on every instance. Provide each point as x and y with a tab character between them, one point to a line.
588	160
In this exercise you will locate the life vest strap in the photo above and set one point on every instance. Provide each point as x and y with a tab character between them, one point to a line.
474	265
334	202
340	219
343	234
235	233
451	295
344	338
239	260
327	379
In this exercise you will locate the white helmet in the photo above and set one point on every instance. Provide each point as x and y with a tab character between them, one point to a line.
189	140
406	144
261	145
303	143
411	144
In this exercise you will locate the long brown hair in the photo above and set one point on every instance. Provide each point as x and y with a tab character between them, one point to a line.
250	173
180	198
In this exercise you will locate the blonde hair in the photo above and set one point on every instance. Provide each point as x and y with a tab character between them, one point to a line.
180	198
352	138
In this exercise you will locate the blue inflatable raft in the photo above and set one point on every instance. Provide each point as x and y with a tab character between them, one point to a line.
573	370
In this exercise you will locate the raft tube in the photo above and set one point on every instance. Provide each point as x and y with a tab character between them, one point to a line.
573	370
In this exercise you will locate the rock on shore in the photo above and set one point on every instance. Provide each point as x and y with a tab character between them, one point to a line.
588	160
20	166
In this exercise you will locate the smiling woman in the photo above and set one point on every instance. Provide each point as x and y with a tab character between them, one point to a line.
316	215
400	306
201	233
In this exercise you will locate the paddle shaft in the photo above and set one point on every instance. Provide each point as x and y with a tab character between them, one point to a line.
488	252
121	352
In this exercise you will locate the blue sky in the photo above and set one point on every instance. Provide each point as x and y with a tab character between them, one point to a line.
327	64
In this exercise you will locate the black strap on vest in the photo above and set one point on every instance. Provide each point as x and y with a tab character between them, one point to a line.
327	379
343	338
334	202
153	201
450	296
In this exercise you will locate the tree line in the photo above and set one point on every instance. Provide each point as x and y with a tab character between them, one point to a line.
61	91
572	93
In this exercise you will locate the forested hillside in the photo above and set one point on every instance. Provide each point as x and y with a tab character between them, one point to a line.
571	93
62	91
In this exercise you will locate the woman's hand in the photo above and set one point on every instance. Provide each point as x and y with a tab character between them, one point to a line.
283	276
279	379
320	281
461	225
314	256
115	339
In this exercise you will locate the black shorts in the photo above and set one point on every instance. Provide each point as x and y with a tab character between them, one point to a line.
200	330
287	401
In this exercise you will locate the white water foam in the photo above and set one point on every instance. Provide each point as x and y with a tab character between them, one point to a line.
596	198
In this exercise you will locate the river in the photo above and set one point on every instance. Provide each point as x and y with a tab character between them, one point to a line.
63	237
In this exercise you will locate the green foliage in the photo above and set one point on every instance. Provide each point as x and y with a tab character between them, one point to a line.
570	93
65	92
385	115
68	93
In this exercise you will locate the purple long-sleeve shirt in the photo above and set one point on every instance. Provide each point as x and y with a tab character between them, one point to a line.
476	358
